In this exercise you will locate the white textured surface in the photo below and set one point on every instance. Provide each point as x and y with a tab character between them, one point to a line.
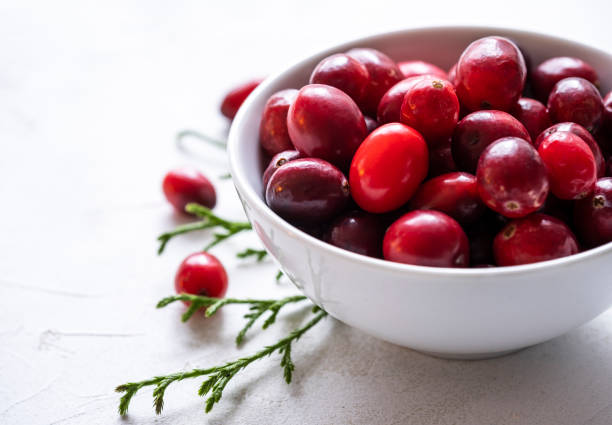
90	97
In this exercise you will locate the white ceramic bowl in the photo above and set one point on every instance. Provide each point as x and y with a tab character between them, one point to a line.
463	313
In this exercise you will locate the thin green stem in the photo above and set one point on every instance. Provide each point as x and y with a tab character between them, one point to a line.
259	254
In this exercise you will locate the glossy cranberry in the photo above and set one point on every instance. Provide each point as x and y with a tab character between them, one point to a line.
593	215
512	178
325	123
581	132
571	167
201	274
184	185
344	73
490	74
478	130
452	74
431	107
307	190
441	160
371	124
532	114
576	100
273	132
359	232
535	238
427	238
551	71
388	167
232	100
278	161
390	104
384	73
455	194
417	67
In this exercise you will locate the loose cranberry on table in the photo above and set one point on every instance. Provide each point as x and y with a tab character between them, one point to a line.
551	71
490	74
532	114
427	238
324	122
576	100
441	160
344	73
390	104
273	132
388	168
234	99
416	67
359	232
185	185
478	130
593	215
535	238
278	161
512	178
571	167
307	190
201	274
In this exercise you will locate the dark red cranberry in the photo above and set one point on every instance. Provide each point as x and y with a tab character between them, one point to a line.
371	124
359	232
307	190
416	67
390	104
455	194
512	177
273	132
384	73
535	238
478	130
593	215
551	71
201	274
277	161
576	100
490	74
184	185
452	74
232	100
532	114
571	167
344	73
427	238
325	123
441	160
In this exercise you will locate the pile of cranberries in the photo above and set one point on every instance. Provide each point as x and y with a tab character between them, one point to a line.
489	164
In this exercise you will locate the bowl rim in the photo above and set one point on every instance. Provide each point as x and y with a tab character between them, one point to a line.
252	198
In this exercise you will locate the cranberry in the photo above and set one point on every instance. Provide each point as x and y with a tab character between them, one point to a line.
572	171
452	74
416	67
491	74
551	71
532	114
307	190
431	107
390	104
273	132
512	177
384	73
427	238
478	130
325	123
441	160
184	185
455	194
371	124
277	161
388	167
359	232
535	238
201	274
593	214
576	100
232	100
344	73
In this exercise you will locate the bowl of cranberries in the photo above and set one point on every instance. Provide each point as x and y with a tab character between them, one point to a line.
446	189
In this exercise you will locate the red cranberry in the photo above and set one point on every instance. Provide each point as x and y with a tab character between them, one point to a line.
371	124
455	194
427	238
416	67
452	74
576	100
388	168
325	123
184	185
273	132
307	190
384	73
277	161
532	114
535	238
551	71
441	160
512	177
491	74
344	73
478	130
201	274
390	104
232	101
359	232
572	171
431	107
593	215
